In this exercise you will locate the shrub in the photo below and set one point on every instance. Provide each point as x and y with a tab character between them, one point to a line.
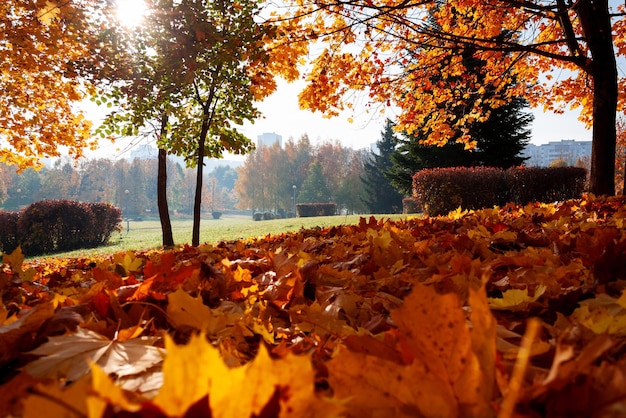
257	216
9	236
216	215
108	219
411	205
268	216
61	225
37	226
442	190
545	184
306	210
75	225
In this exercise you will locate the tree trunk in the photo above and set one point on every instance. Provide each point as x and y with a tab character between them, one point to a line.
197	204
596	24
164	213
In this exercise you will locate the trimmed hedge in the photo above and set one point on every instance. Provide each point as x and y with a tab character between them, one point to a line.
545	184
264	216
50	226
411	205
306	210
442	190
108	219
9	236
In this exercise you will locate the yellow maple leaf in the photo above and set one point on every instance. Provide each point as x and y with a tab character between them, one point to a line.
183	310
196	370
128	261
105	392
188	374
603	314
443	344
16	260
290	378
516	299
51	400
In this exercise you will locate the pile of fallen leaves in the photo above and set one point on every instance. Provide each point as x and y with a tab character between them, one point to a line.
516	311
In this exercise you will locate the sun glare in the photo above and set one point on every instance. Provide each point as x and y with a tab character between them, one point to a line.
131	12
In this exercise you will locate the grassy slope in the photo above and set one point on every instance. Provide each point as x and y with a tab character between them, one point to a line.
147	234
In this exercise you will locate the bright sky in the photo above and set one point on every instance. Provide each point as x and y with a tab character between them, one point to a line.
282	115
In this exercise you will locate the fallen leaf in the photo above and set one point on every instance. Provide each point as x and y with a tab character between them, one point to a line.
51	400
16	260
516	299
602	314
375	387
434	328
25	326
106	392
68	356
196	364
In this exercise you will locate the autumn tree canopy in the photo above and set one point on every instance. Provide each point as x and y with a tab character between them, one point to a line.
45	51
389	49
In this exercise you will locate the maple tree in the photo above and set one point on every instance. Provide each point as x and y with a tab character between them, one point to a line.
46	48
390	49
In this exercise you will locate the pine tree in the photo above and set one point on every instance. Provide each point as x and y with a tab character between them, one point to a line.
314	189
381	196
499	139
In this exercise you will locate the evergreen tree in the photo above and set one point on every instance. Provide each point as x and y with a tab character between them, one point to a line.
503	137
499	139
314	189
381	196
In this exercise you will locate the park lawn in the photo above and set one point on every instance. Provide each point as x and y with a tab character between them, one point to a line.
146	234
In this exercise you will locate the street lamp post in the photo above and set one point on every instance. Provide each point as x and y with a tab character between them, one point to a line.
19	196
294	200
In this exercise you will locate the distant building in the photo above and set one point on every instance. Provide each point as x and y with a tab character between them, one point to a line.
567	150
267	139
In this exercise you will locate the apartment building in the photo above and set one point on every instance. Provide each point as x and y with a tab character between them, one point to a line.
567	150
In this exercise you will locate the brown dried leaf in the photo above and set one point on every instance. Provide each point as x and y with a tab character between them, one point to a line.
67	356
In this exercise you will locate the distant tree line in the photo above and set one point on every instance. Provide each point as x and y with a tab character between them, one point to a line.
130	186
273	176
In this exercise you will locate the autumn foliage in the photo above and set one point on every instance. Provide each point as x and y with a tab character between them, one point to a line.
44	47
471	314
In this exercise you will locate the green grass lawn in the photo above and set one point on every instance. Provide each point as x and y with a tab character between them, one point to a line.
146	234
